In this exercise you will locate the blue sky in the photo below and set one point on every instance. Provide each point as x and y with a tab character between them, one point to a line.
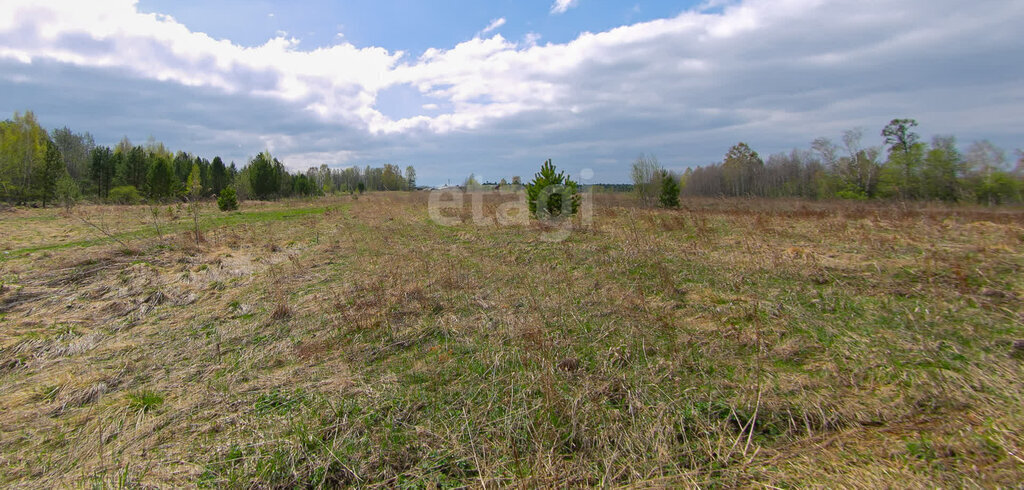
495	88
407	25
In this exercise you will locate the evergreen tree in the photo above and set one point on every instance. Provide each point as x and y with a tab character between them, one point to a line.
182	168
47	175
161	178
263	176
227	200
102	170
218	175
138	167
552	194
669	190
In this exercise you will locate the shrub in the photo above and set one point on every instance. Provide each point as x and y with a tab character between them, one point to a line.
67	191
227	200
547	194
669	190
125	194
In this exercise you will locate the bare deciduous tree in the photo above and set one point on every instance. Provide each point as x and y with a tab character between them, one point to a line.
646	172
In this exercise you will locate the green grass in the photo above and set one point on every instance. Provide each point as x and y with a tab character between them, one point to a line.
144	401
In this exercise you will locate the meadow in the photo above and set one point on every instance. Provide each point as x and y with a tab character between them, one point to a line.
355	341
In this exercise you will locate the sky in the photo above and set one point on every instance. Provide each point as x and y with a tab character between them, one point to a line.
496	88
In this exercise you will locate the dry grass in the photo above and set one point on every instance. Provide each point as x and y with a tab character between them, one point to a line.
729	343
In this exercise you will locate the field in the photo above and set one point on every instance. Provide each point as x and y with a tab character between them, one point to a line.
347	341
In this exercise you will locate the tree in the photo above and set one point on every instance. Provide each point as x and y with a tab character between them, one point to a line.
282	178
182	167
669	197
138	167
471	183
161	178
48	174
859	171
391	178
302	186
645	172
987	177
68	192
410	177
102	170
905	155
23	145
740	169
263	176
194	188
227	200
552	194
218	175
76	149
898	135
941	170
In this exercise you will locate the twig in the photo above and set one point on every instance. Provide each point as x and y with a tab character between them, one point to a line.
757	405
105	232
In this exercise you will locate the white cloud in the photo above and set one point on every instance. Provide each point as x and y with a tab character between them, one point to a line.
561	6
496	23
783	69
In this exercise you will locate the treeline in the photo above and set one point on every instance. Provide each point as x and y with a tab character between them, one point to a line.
40	166
902	167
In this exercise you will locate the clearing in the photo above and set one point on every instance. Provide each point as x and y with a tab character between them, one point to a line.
356	342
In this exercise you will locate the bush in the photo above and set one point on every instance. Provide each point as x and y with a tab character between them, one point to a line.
547	193
67	191
227	200
125	194
669	190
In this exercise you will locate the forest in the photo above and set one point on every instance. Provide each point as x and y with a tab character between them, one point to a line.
903	167
43	167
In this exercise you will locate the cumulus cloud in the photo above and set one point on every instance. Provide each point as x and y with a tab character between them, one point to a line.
561	6
773	72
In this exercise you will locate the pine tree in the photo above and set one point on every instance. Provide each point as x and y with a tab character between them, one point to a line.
227	200
161	178
262	176
218	175
52	169
669	190
102	170
550	193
